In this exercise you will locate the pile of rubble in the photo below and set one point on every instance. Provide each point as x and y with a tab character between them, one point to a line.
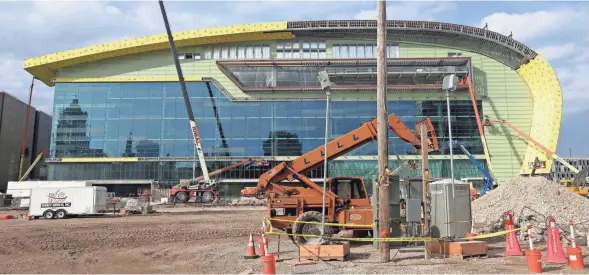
248	201
531	200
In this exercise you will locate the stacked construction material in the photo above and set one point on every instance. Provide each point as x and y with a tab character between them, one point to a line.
530	199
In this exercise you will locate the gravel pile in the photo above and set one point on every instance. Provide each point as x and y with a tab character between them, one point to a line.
530	199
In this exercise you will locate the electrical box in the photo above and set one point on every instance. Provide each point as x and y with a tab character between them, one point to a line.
450	215
413	210
395	205
412	188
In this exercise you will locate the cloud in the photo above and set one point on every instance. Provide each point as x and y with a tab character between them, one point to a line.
556	52
42	27
16	82
34	28
574	86
409	11
532	25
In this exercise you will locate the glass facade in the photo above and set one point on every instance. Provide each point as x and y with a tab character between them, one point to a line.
150	120
353	75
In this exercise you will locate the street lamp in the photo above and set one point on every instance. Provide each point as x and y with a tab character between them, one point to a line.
449	83
323	78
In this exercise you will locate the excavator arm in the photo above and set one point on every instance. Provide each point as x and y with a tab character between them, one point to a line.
340	146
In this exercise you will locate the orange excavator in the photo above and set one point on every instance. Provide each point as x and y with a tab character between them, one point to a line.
346	199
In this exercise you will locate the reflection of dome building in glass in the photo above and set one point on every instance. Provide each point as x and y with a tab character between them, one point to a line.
249	81
70	133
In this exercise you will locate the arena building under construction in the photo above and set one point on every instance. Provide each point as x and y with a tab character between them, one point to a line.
119	113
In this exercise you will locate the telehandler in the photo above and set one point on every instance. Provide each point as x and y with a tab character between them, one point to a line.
346	201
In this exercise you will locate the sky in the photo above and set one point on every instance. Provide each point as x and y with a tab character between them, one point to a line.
557	30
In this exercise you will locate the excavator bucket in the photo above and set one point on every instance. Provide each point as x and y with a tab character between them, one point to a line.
432	139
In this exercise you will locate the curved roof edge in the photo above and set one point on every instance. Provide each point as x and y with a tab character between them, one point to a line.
45	67
498	46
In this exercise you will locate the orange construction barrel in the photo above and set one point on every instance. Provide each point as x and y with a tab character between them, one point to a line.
534	259
6	217
268	264
575	257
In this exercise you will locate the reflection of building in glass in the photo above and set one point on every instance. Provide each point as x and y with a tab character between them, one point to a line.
147	148
129	147
261	99
70	136
282	143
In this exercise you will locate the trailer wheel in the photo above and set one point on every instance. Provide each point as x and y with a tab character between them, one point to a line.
60	214
208	197
49	214
308	228
181	197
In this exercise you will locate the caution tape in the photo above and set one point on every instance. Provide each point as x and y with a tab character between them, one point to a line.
335	238
406	239
327	223
495	234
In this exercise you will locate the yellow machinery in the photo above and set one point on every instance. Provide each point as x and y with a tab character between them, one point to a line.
582	189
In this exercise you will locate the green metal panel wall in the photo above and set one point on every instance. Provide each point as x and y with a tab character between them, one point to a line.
505	95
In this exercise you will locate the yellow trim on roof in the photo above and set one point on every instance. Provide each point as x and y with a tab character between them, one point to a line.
45	67
124	79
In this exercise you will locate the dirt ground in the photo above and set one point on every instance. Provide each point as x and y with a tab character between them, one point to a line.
203	240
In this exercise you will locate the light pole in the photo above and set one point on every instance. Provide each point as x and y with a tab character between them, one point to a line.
323	78
449	83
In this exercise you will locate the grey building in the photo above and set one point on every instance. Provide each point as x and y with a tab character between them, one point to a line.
12	125
561	172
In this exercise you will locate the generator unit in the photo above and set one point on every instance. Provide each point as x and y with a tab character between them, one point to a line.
450	215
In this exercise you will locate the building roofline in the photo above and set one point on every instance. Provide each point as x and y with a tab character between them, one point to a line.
500	47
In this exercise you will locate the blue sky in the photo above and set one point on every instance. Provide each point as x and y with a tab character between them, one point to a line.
558	30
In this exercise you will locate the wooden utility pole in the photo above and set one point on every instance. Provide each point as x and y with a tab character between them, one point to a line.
382	128
424	183
425	175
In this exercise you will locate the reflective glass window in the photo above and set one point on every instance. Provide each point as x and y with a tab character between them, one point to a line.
154	115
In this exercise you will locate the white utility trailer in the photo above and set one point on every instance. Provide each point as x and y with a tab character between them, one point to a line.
21	190
61	202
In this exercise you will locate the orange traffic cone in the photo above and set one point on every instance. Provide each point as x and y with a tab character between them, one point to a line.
251	250
511	243
554	251
263	244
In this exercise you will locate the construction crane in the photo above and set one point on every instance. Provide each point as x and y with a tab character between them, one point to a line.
201	189
347	201
488	179
581	177
197	190
191	119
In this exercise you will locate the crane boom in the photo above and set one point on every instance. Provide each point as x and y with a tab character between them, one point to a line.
535	142
365	133
488	179
201	157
